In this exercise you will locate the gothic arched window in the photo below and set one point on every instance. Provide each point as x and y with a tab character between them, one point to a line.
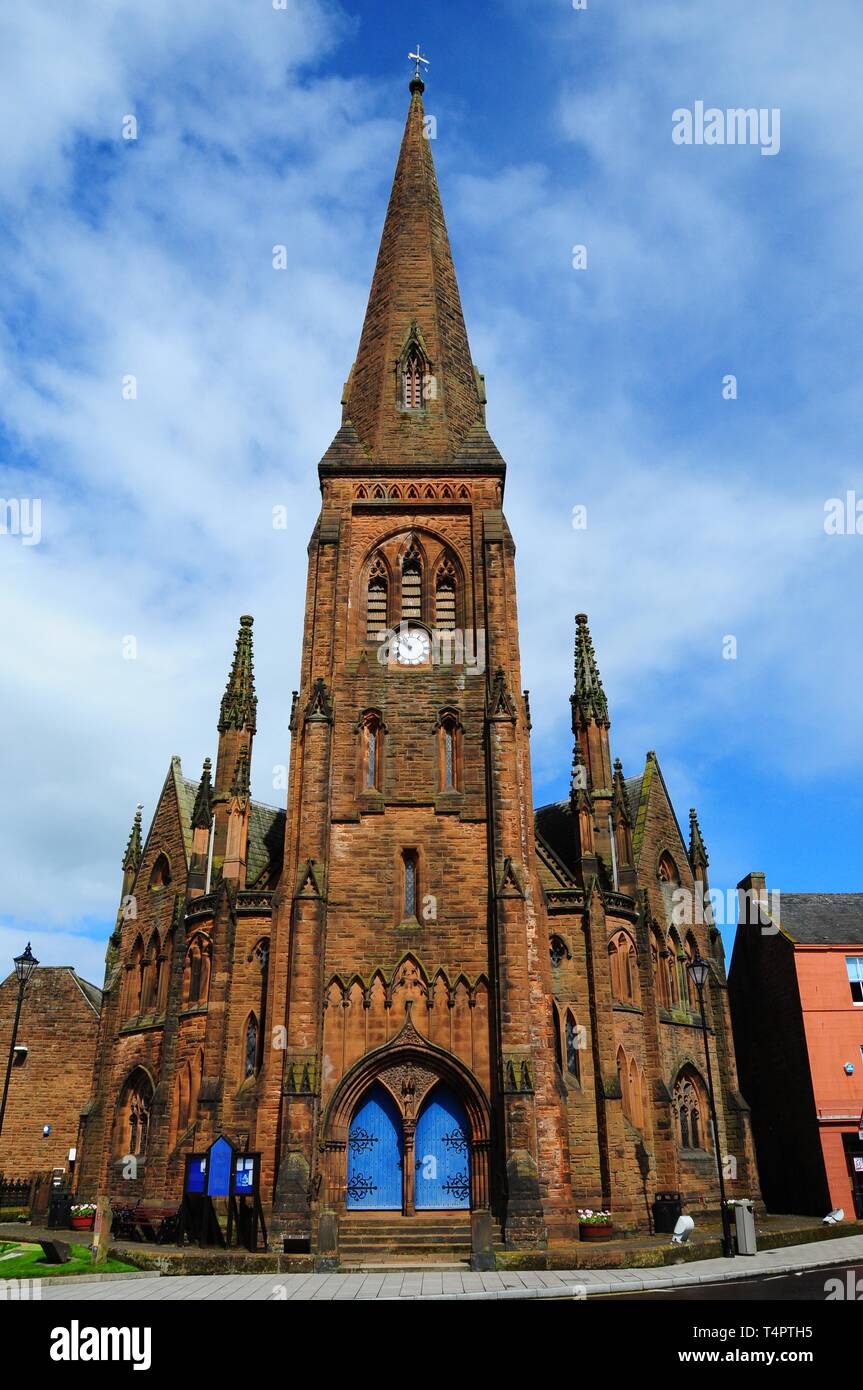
411	883
687	1103
376	601
413	373
196	984
150	975
573	1046
558	1049
164	977
133	1114
449	752
188	1085
371	752
659	967
134	979
250	1059
622	960
675	952
161	875
667	871
557	951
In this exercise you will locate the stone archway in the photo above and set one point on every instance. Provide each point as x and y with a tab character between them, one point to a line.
408	1067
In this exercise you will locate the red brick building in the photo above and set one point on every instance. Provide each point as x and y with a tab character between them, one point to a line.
52	1073
796	991
403	991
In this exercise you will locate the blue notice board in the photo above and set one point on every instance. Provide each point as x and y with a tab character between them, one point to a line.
195	1182
244	1174
219	1172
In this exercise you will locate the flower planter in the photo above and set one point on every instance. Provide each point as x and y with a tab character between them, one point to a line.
596	1231
83	1223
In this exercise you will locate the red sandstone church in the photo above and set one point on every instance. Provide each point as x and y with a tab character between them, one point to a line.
419	1000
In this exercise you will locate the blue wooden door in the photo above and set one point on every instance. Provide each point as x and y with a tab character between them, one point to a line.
375	1154
442	1153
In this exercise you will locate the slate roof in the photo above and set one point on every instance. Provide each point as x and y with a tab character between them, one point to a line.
266	834
822	919
91	992
633	791
553	823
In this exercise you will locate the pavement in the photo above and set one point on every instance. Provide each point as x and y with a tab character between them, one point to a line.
439	1284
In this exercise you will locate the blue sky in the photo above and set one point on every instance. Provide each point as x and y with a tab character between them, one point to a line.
153	257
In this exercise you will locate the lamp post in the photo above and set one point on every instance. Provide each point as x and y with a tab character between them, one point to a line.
699	970
24	964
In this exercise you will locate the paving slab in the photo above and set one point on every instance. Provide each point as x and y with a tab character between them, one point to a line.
445	1284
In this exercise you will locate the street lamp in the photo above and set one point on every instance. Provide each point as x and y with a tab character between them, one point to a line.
24	964
699	971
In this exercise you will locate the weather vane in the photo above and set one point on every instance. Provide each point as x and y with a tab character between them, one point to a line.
418	58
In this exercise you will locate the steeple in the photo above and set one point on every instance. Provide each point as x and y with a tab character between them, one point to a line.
202	820
131	864
237	723
621	828
414	318
132	857
697	853
239	702
589	697
202	811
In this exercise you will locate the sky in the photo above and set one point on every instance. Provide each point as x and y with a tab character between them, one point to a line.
725	612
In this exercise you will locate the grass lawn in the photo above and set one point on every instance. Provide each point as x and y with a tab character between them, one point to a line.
33	1265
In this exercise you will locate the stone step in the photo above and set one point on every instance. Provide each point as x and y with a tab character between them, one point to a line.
404	1247
405	1266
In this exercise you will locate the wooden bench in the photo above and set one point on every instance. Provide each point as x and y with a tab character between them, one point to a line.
144	1221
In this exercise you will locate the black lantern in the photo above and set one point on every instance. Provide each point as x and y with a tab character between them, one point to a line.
25	964
699	971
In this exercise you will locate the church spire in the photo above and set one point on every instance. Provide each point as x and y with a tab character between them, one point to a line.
202	812
589	698
132	857
413	392
697	852
237	723
239	702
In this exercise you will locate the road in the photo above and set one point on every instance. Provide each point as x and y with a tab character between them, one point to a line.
812	1285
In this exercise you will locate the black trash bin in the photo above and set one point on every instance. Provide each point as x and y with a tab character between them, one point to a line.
667	1210
60	1211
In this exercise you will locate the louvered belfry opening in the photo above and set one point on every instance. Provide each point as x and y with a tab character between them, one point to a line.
445	599
376	605
412	379
412	587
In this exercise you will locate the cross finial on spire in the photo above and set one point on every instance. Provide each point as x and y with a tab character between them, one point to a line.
418	58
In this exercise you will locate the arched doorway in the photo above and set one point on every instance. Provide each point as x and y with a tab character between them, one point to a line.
402	1077
375	1154
442	1147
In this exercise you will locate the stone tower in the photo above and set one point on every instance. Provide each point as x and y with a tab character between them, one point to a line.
409	949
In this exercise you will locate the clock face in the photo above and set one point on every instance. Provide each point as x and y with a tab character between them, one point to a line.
412	648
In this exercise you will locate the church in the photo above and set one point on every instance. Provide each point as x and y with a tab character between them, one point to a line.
434	1011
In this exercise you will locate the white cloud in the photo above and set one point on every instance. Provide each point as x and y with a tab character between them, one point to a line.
155	259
